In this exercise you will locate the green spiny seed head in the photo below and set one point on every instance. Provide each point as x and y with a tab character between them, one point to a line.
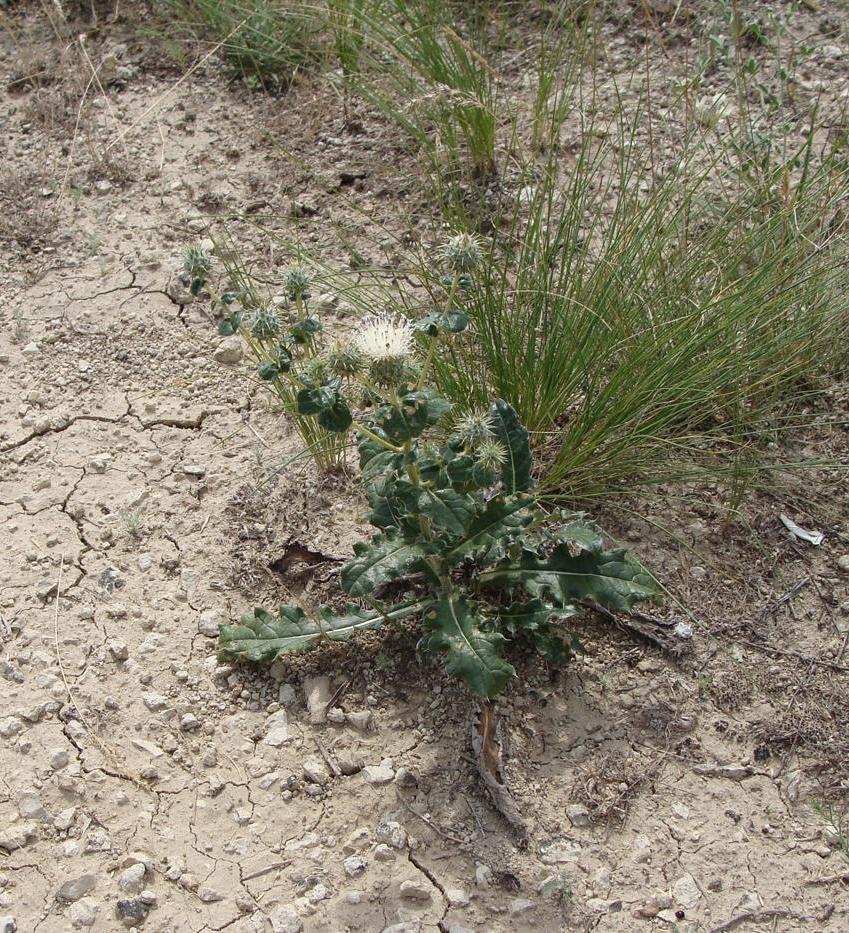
265	322
473	429
197	262
297	282
491	454
316	370
345	360
462	253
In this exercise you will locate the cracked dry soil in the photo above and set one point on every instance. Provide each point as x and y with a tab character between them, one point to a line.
141	783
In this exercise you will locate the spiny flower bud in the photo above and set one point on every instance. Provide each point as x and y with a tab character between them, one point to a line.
490	454
297	282
473	429
462	253
316	370
197	262
264	322
345	360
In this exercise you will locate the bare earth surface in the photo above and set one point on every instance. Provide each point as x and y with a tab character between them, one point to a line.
143	783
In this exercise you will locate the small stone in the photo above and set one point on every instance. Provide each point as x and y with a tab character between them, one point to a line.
559	852
118	649
602	906
208	622
277	726
384	853
131	879
550	885
520	905
10	726
307	841
154	702
393	833
641	848
76	888
30	807
318	893
313	790
131	913
355	865
483	876
83	913
358	840
285	920
98	840
8	924
406	779
103	186
336	715
209	895
579	815
750	903
189	722
229	351
64	819
148	898
415	890
378	774
843	563
686	892
196	470
361	719
457	897
315	771
31	349
350	762
317	692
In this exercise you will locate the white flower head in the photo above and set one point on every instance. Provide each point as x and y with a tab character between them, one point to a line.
385	337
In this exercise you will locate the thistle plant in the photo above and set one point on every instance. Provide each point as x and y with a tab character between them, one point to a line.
284	338
459	532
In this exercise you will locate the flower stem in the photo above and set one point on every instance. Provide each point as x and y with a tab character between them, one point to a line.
370	434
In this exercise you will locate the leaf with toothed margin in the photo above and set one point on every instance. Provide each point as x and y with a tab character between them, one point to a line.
262	636
387	557
471	653
615	579
513	436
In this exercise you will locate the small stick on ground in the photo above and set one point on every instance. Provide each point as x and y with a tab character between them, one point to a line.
334	768
768	649
433	826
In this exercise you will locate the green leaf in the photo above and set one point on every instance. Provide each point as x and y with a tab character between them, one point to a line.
196	286
261	636
472	654
391	500
493	529
337	418
417	411
452	322
581	535
449	511
509	430
322	398
615	579
386	558
303	330
533	621
230	325
268	370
